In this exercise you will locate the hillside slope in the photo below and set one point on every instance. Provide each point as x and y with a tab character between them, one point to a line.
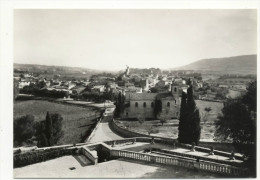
245	64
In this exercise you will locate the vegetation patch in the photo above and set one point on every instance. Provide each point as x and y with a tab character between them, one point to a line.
77	122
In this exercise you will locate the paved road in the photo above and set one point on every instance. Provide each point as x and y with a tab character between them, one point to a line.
103	132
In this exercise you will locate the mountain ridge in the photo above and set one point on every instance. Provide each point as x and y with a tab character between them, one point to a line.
244	64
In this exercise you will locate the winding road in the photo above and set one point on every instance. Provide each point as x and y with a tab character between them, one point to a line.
103	132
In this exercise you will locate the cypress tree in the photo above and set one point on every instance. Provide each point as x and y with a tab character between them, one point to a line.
48	129
118	101
193	119
196	129
182	122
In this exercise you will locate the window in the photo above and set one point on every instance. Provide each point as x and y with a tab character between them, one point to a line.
152	104
168	104
136	104
175	101
175	89
126	114
144	104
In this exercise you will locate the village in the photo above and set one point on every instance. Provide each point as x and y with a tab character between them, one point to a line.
216	89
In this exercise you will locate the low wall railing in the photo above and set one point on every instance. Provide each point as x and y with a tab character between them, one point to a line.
217	168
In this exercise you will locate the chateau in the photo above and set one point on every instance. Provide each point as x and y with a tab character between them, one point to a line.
143	104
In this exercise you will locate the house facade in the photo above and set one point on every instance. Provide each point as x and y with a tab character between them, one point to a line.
143	104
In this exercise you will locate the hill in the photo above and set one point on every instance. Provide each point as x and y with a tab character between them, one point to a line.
62	71
245	64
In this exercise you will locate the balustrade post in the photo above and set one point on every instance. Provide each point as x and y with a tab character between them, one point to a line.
152	140
211	151
193	147
113	144
232	155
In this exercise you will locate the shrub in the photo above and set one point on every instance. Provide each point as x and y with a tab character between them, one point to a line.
23	129
39	156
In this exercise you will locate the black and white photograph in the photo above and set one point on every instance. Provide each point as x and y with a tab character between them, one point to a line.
134	93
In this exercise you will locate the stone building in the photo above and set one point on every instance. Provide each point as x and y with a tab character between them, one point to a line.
143	104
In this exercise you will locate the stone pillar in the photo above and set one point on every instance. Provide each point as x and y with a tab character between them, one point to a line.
232	155
193	147
113	143
174	144
152	140
153	159
211	151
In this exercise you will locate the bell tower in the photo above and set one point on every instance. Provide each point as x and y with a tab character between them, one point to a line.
175	90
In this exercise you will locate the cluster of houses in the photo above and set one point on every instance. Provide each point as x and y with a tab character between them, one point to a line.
137	89
133	83
140	99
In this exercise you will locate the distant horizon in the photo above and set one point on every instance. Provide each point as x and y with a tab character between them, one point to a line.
110	39
107	70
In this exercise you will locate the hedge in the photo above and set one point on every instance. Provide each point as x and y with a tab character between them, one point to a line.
40	156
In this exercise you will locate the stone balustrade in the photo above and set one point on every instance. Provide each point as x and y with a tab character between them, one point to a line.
206	166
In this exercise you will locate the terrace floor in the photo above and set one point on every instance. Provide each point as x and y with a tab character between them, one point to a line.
60	168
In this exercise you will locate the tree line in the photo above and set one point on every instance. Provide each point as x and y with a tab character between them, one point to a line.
36	89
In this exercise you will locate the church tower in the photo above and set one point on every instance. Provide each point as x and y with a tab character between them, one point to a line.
175	90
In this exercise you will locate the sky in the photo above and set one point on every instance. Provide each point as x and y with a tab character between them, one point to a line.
111	39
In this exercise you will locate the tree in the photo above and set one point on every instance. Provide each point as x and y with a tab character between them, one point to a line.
238	124
163	120
23	129
193	118
182	122
21	75
42	140
163	117
140	118
48	129
43	130
157	107
56	127
120	103
207	110
154	90
235	124
41	84
15	88
189	126
152	130
249	98
196	129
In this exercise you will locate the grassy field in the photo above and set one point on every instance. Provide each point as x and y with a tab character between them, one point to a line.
77	121
170	129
